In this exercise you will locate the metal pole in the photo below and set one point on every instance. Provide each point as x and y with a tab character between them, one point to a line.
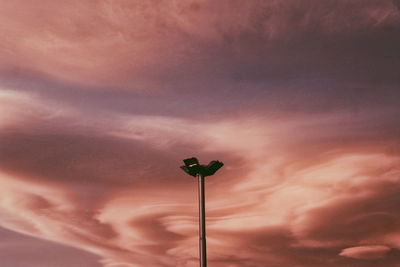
202	222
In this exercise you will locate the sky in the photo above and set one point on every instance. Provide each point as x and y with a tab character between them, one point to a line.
100	101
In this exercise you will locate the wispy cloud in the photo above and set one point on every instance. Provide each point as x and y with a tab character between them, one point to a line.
100	102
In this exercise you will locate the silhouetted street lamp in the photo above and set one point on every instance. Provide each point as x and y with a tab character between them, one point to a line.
194	168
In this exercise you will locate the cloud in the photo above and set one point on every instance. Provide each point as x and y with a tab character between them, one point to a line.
365	252
119	43
100	102
113	190
24	251
359	208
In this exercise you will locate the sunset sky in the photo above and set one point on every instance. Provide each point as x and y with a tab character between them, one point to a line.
100	100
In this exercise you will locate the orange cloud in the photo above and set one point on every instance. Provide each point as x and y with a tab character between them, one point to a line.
114	191
365	252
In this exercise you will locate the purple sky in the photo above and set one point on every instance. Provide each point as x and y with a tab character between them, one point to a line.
101	100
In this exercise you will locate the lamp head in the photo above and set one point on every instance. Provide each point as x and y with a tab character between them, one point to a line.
192	166
213	167
190	162
191	172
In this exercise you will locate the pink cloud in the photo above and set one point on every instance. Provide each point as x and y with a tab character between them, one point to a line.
134	42
365	252
95	193
296	189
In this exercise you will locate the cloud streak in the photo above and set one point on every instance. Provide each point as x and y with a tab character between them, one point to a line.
94	193
115	42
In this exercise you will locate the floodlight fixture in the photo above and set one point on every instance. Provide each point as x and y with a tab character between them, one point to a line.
188	171
213	167
194	168
190	162
191	167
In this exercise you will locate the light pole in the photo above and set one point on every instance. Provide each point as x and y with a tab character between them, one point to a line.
193	168
202	222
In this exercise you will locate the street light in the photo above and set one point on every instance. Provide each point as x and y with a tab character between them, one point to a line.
194	168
